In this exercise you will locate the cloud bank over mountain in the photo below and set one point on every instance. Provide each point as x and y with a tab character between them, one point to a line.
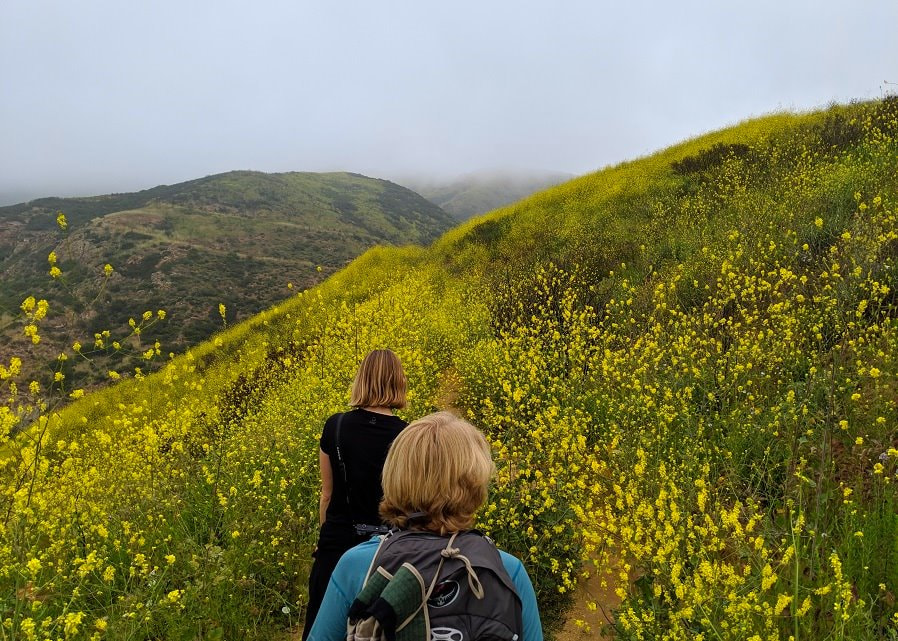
100	97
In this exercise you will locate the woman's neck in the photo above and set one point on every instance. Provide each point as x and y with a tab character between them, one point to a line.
379	410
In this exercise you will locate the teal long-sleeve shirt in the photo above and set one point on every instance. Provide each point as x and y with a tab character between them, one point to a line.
349	577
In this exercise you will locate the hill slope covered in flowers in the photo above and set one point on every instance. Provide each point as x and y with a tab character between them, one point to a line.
686	364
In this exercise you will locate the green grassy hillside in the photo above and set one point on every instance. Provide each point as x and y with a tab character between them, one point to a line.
686	365
237	238
482	192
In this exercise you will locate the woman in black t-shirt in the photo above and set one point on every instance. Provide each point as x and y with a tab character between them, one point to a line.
353	449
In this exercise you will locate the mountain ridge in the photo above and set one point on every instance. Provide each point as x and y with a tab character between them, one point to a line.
249	232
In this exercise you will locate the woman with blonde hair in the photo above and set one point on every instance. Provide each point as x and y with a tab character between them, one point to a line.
353	448
435	479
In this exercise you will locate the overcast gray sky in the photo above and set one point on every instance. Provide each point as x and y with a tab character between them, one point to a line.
117	95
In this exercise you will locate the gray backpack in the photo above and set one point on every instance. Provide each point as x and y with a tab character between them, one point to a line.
425	587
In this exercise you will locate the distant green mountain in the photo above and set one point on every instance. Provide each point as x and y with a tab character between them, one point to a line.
480	192
236	238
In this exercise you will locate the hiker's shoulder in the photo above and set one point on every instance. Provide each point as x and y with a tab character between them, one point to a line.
349	574
331	421
513	564
362	553
329	431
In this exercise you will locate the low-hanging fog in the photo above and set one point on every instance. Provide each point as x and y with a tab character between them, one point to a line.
104	96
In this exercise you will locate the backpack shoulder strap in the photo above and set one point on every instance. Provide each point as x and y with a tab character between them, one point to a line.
340	461
342	464
383	540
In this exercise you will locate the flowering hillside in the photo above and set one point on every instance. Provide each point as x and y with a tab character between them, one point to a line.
687	365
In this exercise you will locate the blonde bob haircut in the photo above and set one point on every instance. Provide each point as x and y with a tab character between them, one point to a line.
436	475
380	382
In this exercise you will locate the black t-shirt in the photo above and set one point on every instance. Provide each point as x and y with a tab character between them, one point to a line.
365	438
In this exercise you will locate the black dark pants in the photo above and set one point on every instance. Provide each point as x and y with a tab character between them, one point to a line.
332	543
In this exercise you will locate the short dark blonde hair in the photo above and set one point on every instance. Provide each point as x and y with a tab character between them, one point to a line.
380	382
439	465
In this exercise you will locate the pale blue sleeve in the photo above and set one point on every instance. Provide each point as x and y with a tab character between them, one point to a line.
345	583
533	627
